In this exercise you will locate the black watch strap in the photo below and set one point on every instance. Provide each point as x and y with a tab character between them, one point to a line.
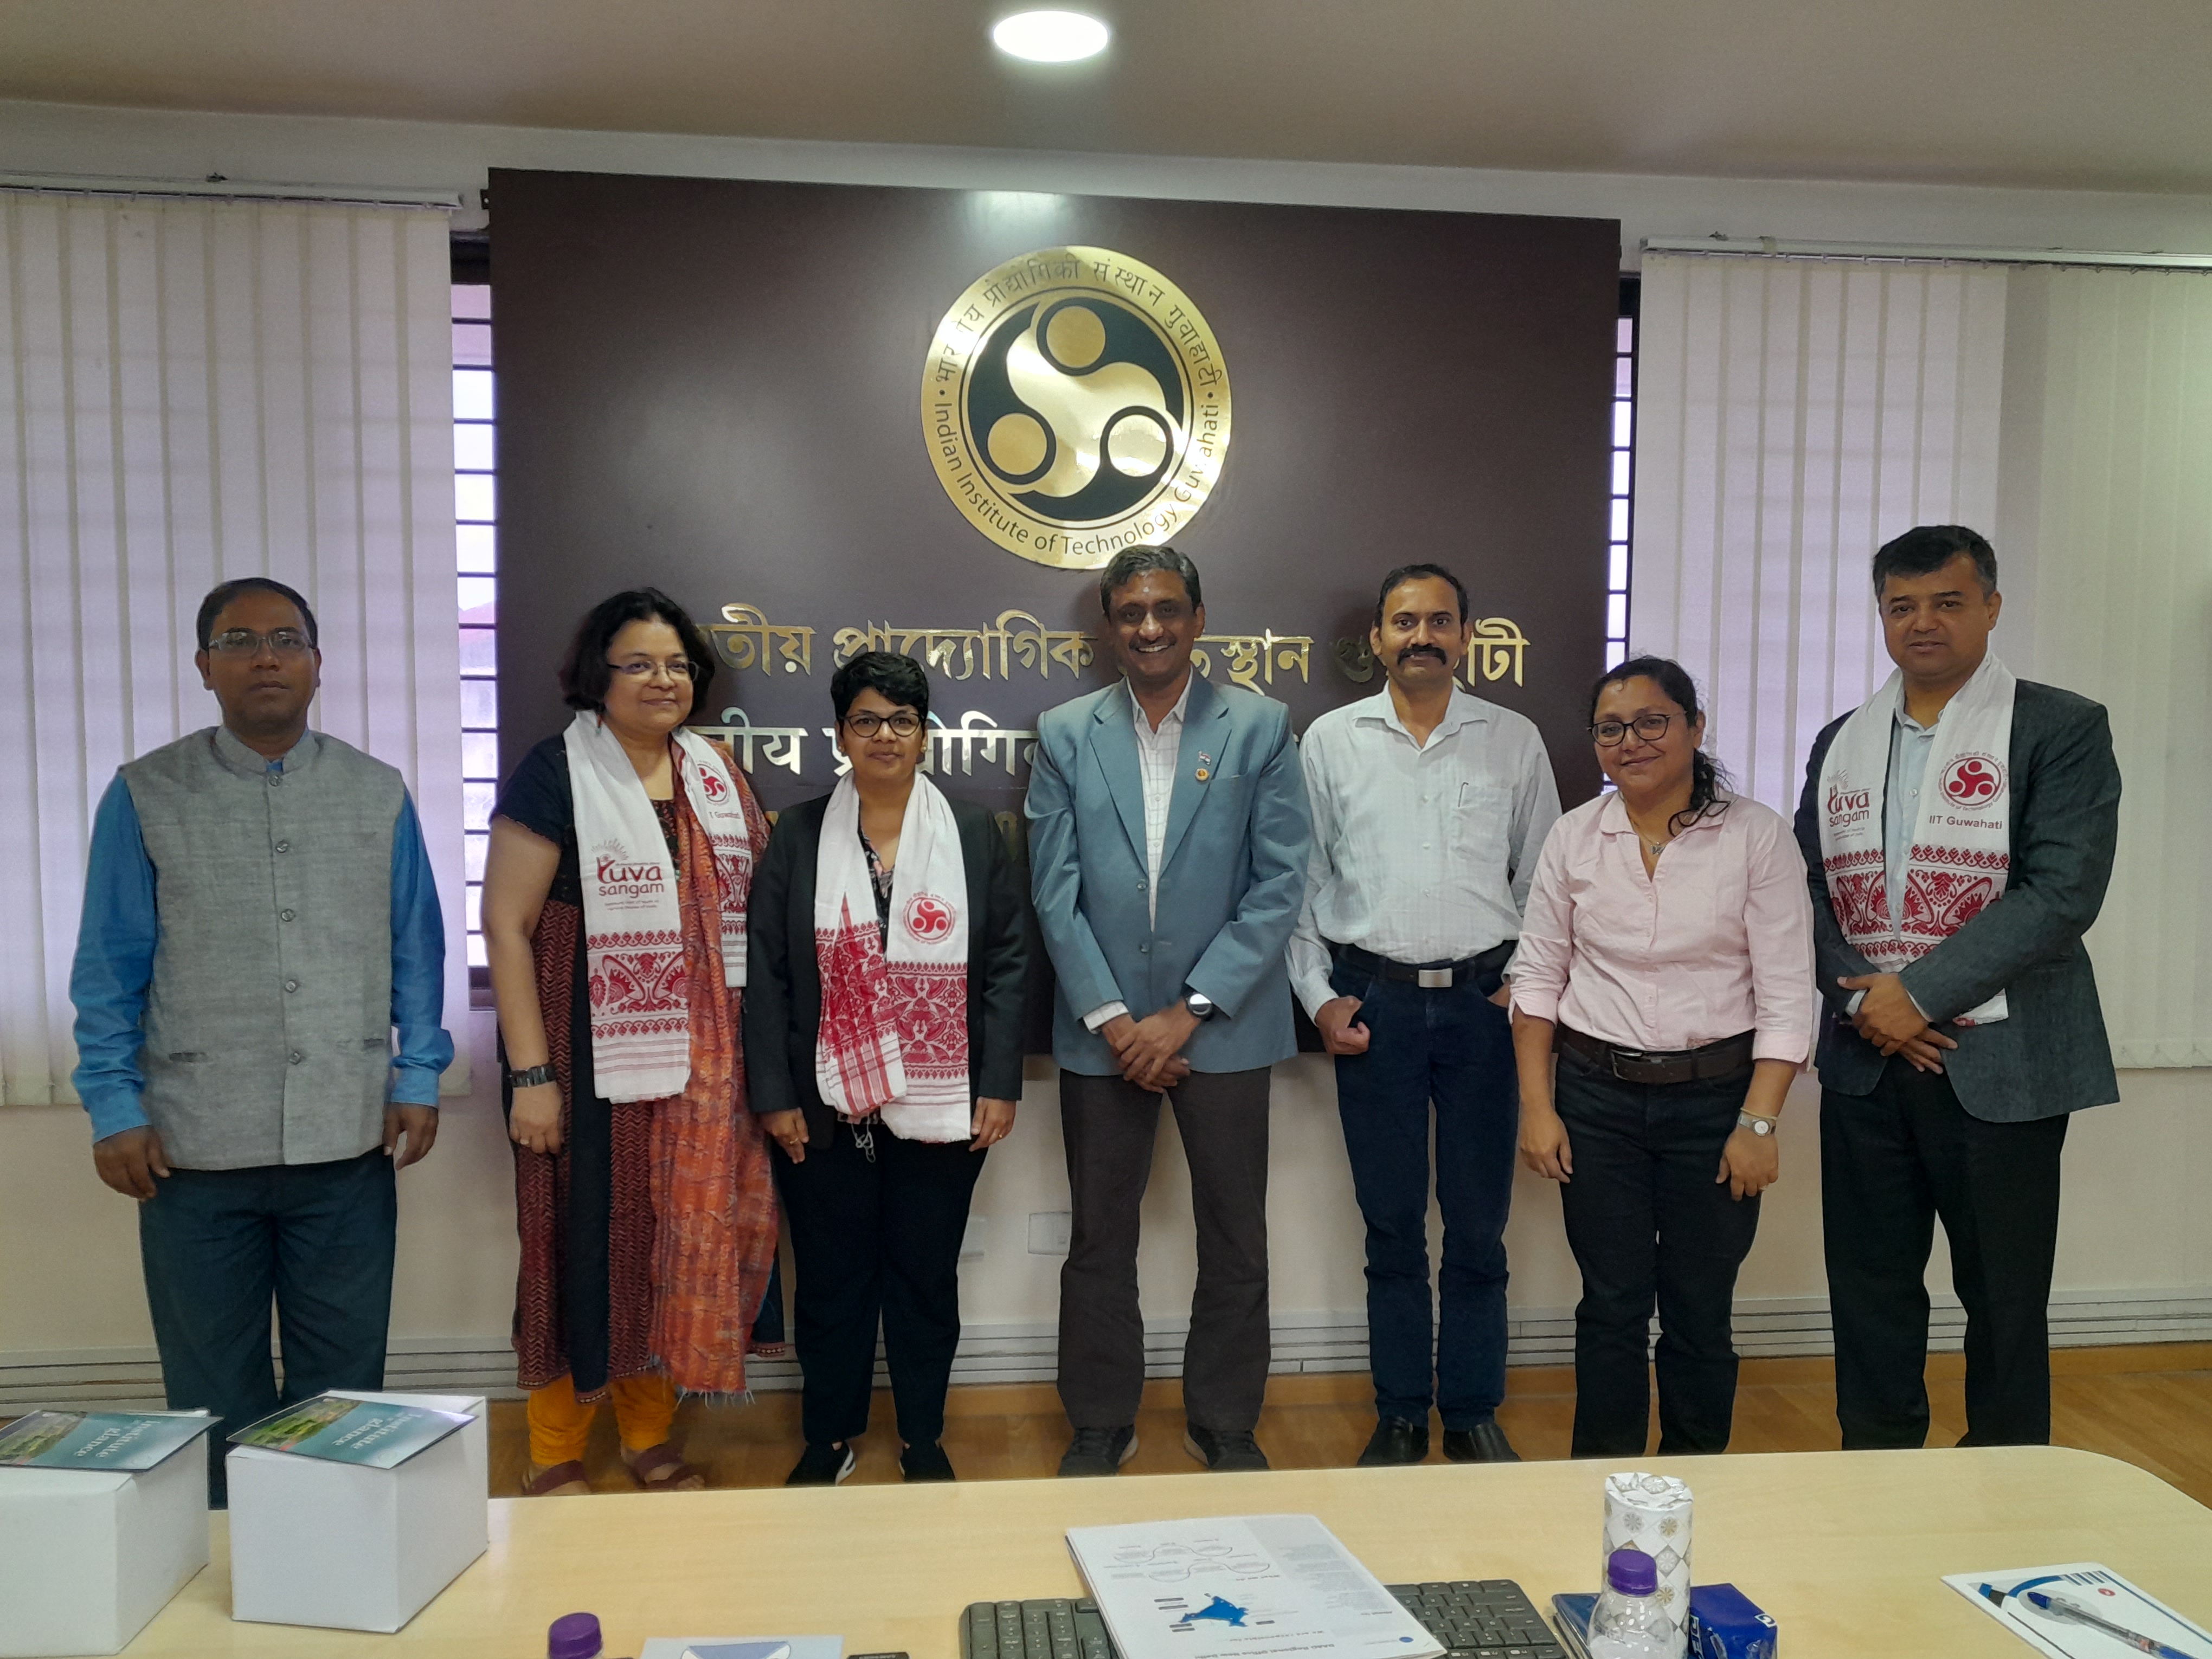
531	1077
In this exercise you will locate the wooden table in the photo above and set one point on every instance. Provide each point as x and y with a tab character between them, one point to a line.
1846	1549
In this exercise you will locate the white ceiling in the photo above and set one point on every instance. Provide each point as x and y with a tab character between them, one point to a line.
2091	94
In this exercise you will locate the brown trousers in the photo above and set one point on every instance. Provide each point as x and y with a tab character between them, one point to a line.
1109	1126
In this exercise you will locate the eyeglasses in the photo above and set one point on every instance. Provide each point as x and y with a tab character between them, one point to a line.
1650	727
902	723
244	642
644	668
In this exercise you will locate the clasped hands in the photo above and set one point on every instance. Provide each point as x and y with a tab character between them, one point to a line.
1150	1050
1889	1018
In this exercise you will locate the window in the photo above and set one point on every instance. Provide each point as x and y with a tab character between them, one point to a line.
476	513
1623	467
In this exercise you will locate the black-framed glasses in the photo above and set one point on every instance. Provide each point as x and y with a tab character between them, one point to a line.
1608	734
903	724
644	668
244	642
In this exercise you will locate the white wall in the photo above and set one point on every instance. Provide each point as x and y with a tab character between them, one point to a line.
2136	1248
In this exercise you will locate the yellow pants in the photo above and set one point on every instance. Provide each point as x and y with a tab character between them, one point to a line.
561	1425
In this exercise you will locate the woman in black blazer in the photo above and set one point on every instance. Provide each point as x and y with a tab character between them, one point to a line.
880	1101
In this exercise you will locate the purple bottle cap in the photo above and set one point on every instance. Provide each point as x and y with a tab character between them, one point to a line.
573	1636
1632	1572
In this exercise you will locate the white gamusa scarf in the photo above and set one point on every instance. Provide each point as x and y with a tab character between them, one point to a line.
894	1033
633	927
1961	851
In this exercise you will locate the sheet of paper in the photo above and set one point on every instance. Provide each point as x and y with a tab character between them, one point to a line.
745	1647
1241	1587
2096	1589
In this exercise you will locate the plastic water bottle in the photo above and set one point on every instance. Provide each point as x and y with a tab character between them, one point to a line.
574	1636
1628	1622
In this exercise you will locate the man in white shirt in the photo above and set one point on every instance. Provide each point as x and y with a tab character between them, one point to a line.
1429	807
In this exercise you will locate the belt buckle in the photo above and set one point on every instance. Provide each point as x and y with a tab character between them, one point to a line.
1435	979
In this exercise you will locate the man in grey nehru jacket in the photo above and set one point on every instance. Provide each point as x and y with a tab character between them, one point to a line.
259	918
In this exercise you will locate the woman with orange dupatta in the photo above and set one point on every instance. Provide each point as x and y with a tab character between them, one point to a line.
613	921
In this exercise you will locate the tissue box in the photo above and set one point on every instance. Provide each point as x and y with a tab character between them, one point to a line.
88	1559
1726	1624
351	1548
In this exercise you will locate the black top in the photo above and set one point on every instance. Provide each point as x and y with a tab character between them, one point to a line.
783	986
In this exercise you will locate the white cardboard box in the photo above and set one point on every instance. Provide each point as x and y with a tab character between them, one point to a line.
350	1548
87	1559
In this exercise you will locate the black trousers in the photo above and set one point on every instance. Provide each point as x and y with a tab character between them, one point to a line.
1109	1126
1892	1162
218	1246
1650	1226
876	1240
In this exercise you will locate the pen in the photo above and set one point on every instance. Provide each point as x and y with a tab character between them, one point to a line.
2059	1608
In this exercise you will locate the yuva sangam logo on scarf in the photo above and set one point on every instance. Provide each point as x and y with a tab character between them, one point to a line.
1075	402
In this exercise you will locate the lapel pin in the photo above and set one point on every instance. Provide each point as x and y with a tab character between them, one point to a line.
1204	762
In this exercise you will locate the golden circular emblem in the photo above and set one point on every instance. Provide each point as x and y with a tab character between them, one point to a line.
1075	403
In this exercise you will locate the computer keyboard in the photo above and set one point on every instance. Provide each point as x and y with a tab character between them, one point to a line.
1060	1628
1474	1617
1480	1619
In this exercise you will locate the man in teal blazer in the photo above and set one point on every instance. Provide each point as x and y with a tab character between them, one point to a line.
1168	843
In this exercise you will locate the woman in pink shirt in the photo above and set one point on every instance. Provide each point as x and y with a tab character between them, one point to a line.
1667	959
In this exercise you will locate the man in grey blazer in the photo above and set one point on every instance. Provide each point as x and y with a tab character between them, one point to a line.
1168	843
1934	1099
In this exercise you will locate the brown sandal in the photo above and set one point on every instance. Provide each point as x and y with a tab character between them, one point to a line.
561	1480
660	1468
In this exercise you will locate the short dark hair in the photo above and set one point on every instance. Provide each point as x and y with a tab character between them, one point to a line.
1707	777
1413	572
899	678
1926	549
1132	562
222	594
585	671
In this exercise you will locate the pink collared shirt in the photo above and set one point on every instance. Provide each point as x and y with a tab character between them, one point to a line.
1717	940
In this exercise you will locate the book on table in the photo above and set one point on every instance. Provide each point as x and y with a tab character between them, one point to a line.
379	1434
112	1442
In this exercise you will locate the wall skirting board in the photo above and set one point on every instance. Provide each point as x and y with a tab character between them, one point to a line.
1769	1329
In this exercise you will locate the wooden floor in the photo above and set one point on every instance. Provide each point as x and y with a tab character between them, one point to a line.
2149	1406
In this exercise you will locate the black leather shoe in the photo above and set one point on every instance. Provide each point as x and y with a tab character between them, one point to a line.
1098	1451
1396	1440
1485	1442
824	1466
926	1463
1224	1451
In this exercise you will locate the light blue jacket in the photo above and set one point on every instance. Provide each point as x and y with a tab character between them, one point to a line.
1232	873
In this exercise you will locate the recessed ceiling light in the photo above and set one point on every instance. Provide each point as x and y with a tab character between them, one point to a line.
1050	37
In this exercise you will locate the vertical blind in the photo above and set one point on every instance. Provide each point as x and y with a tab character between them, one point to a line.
192	392
1795	413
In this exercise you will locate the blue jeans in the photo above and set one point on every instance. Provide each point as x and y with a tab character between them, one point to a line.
218	1245
1453	1048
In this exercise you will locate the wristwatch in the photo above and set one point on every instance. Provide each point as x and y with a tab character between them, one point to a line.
531	1077
1761	1126
1200	1004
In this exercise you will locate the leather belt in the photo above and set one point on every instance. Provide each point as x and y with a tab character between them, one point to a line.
1436	976
1716	1060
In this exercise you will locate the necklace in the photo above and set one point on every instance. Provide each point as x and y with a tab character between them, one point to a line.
1654	849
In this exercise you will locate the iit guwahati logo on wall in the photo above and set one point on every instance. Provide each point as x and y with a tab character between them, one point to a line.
928	917
1973	781
1075	402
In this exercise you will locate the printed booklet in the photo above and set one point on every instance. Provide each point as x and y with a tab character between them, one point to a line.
377	1434
113	1443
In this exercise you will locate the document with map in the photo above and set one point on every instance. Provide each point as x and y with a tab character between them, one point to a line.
1241	1587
